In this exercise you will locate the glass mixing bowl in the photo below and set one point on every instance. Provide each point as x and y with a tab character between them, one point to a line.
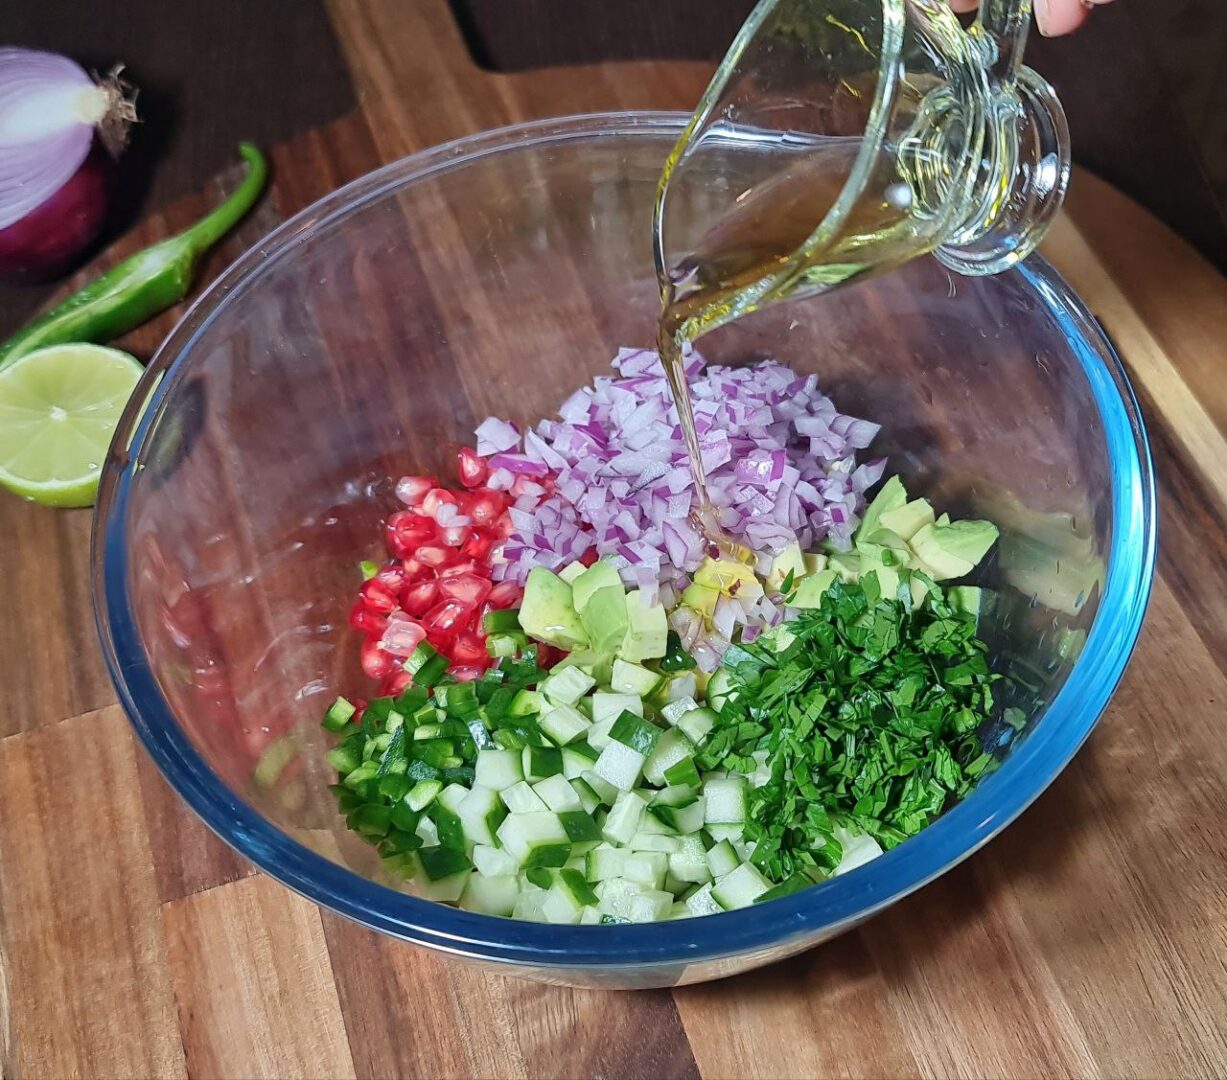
365	338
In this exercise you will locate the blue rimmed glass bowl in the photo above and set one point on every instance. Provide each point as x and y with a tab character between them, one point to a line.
365	338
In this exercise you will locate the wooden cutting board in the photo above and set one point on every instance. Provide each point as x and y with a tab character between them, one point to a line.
1089	940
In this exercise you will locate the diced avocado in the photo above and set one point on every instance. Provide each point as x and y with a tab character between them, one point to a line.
885	547
891	496
729	577
846	565
571	571
950	551
788	561
600	575
811	587
943	521
814	561
888	579
647	631
701	598
964	598
920	590
907	520
604	617
547	612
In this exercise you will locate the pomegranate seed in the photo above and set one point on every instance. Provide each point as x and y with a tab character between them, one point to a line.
367	621
419	598
478	545
377	596
402	636
467	589
462	566
375	662
504	595
436	557
484	506
472	468
393	576
454	535
406	531
414	570
394	683
466	674
469	648
504	528
411	490
435	498
446	616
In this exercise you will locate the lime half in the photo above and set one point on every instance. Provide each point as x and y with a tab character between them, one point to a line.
59	407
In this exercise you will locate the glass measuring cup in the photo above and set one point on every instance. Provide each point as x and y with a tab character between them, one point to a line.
853	135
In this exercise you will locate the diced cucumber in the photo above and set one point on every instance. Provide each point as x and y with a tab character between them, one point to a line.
427	832
614	894
682	686
634	731
628	678
564	724
605	791
676	709
671	747
590	916
581	829
541	761
726	801
720	688
527	703
689	861
679	911
576	758
445	890
494	895
651	822
423	793
522	799
675	795
604	863
722	859
588	799
561	907
697	724
683	772
573	882
859	849
702	903
619	765
440	862
557	794
644	841
740	887
538	877
625	817
566	686
493	862
649	905
646	868
529	905
726	832
536	839
606	708
498	769
683	819
481	812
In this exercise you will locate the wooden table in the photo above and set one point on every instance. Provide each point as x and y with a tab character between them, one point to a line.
1089	940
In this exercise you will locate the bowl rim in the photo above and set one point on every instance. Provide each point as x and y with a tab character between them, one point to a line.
794	920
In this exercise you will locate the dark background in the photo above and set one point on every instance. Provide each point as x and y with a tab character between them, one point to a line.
1145	84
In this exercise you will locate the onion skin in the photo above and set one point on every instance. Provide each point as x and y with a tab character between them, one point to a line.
49	238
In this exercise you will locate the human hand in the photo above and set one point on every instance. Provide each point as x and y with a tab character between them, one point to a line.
1052	16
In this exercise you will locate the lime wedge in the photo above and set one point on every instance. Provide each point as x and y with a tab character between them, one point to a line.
59	407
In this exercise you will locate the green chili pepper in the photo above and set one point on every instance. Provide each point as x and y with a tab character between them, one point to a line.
143	285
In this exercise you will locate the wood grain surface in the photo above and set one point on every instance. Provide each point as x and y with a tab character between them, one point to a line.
1088	940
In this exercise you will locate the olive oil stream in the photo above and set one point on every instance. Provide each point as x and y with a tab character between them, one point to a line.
785	238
